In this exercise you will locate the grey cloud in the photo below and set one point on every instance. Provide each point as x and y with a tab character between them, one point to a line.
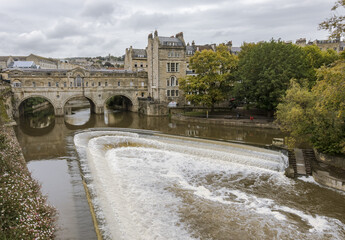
99	9
96	27
65	29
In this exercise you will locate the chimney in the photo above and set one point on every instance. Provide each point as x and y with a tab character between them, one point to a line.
156	33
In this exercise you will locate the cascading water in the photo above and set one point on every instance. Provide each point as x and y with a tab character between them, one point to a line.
159	187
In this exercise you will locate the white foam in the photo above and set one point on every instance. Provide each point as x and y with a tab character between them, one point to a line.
135	185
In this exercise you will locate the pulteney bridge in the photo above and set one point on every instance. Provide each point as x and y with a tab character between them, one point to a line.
59	86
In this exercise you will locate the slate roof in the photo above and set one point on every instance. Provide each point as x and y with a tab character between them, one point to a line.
165	40
139	53
236	49
190	49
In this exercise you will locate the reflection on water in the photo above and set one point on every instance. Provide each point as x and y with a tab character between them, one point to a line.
54	143
78	117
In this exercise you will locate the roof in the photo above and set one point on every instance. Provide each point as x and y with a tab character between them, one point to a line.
23	64
4	58
236	49
204	47
189	49
170	41
141	53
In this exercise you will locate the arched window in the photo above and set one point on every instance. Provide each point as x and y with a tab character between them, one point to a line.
173	81
78	81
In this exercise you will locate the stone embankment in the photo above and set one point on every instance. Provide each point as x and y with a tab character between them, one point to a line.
260	123
24	212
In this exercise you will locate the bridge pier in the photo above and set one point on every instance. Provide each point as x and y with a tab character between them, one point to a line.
59	112
99	109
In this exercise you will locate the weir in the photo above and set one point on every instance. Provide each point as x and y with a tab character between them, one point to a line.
170	187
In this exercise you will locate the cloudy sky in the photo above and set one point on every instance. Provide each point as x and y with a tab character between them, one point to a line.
67	28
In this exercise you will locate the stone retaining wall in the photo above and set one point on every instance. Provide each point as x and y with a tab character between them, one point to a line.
229	122
324	178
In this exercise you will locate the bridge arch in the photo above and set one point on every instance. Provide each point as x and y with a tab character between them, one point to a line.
22	100
128	102
91	101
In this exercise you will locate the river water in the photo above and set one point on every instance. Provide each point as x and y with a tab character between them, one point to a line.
146	185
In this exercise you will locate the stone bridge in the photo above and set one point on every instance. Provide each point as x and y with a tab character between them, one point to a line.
59	86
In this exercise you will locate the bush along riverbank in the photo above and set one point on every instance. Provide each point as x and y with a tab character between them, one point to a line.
24	212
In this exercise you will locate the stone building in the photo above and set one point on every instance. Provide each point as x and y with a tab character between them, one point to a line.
324	45
135	59
166	58
42	62
5	61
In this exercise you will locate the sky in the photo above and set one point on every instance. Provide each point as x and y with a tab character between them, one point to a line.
89	28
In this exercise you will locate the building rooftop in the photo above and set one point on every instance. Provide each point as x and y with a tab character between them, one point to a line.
139	53
23	64
170	41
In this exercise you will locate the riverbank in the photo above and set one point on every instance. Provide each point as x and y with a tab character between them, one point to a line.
24	212
242	122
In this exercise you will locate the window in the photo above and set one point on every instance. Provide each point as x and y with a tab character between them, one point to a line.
17	84
131	84
106	84
141	65
176	93
64	84
70	84
168	82
135	65
142	84
87	84
173	54
78	81
99	84
118	84
172	93
172	67
93	84
57	84
49	84
142	94
176	82
172	81
168	93
33	84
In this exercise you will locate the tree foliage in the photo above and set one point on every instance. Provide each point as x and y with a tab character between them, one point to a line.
317	115
317	58
335	24
213	76
265	70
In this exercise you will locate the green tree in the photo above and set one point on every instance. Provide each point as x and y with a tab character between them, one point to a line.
265	70
335	24
317	116
318	58
213	76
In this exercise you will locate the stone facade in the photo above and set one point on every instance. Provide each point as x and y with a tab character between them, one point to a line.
59	86
166	58
324	45
42	62
135	59
5	61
